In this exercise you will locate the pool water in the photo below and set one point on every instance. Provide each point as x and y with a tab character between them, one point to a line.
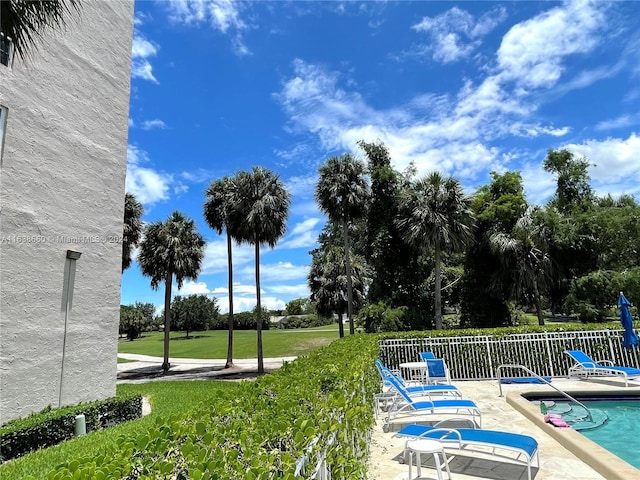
620	433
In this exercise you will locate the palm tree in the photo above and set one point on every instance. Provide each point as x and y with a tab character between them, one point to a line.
257	215
435	214
328	281
342	194
525	259
171	248
24	21
132	229
215	214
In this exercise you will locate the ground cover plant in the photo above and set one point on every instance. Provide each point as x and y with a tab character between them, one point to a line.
260	430
213	343
166	398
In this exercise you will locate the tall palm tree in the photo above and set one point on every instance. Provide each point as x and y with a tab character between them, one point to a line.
172	248
257	215
436	215
23	21
132	228
342	194
215	213
525	258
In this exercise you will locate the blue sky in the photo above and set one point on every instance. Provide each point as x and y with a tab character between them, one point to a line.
464	88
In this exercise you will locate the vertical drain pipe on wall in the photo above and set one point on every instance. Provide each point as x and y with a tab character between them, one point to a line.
70	276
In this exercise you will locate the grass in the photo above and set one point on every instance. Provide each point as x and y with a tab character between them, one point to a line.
213	343
166	398
124	360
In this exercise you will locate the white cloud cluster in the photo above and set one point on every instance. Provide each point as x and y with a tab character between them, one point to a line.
615	163
455	134
148	185
142	50
221	15
455	34
155	123
532	52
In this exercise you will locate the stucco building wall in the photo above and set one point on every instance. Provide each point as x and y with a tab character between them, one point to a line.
62	187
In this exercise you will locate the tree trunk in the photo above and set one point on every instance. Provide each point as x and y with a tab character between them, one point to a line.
259	313
438	288
347	261
340	325
229	363
167	320
538	303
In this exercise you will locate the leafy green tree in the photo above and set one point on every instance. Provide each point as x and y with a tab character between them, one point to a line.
392	261
218	201
436	215
298	306
24	21
342	194
257	215
194	312
328	281
573	192
527	265
497	206
378	317
132	322
132	229
148	311
171	249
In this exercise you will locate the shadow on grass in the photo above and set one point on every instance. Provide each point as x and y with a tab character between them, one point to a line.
150	373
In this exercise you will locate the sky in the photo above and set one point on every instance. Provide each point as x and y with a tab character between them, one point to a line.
463	88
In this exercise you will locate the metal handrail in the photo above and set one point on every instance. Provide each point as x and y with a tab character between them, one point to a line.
544	380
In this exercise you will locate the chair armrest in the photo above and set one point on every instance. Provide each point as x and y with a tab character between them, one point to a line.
604	362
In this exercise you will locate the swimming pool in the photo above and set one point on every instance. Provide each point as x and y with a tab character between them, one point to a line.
615	422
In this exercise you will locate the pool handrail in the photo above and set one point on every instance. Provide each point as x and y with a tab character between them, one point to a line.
543	380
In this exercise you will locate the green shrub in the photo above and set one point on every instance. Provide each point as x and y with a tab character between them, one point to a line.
260	430
379	317
52	426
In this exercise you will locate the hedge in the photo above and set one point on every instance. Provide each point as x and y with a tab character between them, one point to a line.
264	429
52	426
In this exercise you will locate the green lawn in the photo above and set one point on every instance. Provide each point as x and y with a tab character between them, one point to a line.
166	398
213	343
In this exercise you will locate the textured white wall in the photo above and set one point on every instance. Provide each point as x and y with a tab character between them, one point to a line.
61	187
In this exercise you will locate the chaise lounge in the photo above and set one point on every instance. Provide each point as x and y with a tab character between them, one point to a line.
404	405
490	442
586	366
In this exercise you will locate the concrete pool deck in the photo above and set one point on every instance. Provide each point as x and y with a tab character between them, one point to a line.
498	413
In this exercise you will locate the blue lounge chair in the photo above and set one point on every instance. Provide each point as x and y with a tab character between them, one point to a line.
437	370
416	390
491	442
586	366
405	405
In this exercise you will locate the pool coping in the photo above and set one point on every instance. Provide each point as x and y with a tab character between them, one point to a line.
601	460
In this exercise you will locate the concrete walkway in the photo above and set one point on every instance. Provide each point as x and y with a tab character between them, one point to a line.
145	368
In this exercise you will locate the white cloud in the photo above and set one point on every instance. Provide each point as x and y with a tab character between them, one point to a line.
141	50
455	34
619	122
148	185
155	123
215	256
192	288
281	271
221	15
616	163
532	52
303	234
